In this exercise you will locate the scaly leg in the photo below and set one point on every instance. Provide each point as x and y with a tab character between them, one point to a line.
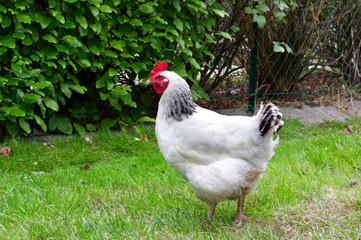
212	207
239	215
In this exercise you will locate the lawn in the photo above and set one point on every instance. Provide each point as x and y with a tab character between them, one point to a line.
118	186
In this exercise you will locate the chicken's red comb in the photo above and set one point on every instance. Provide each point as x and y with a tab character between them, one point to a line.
157	68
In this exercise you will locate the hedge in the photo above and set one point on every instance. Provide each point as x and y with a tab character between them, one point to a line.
59	59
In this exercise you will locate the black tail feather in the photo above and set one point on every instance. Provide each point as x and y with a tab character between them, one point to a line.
270	118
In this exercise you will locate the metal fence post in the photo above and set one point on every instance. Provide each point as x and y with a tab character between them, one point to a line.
253	71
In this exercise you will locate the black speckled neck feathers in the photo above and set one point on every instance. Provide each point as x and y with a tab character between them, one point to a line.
180	104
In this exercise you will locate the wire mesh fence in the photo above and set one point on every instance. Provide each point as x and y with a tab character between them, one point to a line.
316	57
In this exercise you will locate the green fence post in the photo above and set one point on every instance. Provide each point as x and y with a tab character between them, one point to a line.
253	71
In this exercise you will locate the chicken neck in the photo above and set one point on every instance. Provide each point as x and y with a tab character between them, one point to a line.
178	104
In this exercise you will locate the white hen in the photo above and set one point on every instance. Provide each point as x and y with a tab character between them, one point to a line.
222	157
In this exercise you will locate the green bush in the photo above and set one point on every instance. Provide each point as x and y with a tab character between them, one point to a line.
59	59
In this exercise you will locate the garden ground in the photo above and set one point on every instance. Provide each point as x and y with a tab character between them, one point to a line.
118	186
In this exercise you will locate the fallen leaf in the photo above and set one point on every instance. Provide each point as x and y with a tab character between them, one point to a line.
349	129
5	151
35	163
49	144
144	137
84	167
352	183
35	131
89	140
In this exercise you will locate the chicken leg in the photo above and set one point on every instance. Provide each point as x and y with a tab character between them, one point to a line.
239	214
212	207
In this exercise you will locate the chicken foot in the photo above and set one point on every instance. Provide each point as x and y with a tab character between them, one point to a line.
212	207
239	214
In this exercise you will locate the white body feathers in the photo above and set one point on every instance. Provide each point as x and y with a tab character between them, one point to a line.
220	156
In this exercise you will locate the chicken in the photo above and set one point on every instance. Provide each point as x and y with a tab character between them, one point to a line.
222	157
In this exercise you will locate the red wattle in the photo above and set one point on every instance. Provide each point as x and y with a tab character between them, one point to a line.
158	89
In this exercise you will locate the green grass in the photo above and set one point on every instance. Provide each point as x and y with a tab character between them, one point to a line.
310	190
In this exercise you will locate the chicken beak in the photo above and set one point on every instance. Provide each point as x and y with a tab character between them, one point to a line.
148	82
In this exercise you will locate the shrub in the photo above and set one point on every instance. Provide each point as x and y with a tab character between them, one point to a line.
59	59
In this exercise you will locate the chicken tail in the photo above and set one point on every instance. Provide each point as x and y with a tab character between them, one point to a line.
270	119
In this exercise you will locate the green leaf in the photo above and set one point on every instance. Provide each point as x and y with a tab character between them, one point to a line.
201	93
146	119
279	15
50	52
107	123
179	24
82	21
148	27
235	28
94	10
71	40
123	19
260	20
105	9
277	47
64	125
156	44
100	83
110	53
24	125
94	49
16	112
176	5
41	85
3	9
79	128
127	99
90	127
28	40
84	63
52	3
3	50
288	48
136	22
220	12
112	72
12	127
68	25
65	88
53	123
8	41
35	72
62	48
50	103
78	89
44	21
50	38
225	35
6	22
40	122
23	18
264	8
62	63
115	103
118	44
19	35
146	9
193	62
